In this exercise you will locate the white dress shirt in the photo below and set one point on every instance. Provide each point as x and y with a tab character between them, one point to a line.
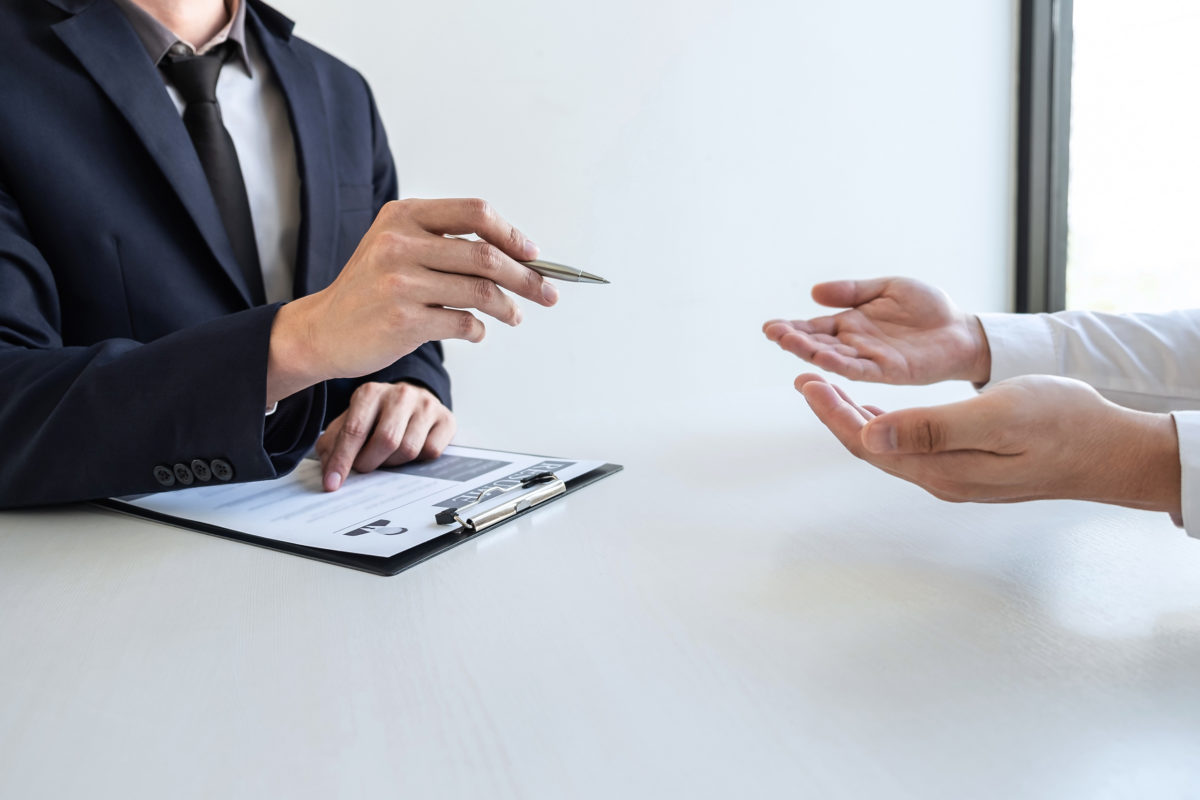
255	113
1149	362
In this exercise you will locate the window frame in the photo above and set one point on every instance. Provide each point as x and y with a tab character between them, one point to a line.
1043	154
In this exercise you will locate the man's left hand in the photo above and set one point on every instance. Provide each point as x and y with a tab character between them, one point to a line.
1027	438
386	423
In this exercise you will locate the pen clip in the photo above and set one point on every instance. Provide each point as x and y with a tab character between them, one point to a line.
548	485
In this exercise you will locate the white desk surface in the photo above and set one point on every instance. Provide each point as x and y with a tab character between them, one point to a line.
745	611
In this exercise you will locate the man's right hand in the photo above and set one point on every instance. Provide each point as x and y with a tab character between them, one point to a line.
896	330
405	285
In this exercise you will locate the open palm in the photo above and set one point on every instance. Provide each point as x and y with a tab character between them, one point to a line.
895	330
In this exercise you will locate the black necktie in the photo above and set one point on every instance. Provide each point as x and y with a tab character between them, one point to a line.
196	79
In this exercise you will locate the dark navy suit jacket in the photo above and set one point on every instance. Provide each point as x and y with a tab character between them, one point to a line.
127	337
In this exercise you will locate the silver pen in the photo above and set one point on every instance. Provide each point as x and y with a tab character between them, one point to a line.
548	269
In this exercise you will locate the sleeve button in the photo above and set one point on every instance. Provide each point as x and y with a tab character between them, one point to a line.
164	476
221	469
201	470
184	475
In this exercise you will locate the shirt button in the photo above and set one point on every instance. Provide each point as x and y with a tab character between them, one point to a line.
221	469
183	474
164	476
179	49
200	470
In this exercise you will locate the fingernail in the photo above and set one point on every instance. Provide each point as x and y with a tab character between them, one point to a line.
880	438
549	293
531	248
517	317
332	481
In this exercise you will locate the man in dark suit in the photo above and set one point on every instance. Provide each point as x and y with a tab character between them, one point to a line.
202	263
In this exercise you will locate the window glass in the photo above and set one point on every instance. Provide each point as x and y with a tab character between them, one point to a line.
1134	192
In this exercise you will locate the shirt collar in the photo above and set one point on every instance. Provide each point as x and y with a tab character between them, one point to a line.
158	38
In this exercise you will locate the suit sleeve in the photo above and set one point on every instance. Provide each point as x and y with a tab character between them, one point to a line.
423	366
84	422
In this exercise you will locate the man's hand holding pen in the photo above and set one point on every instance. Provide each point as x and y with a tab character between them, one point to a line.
409	282
406	284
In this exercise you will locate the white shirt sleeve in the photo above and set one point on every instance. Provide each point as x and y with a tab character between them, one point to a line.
1187	427
1146	361
1149	362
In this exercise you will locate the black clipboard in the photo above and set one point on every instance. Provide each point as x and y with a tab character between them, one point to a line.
376	565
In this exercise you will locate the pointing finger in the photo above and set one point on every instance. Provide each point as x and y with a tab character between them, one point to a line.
357	422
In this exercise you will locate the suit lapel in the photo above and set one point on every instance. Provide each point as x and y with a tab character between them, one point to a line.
107	47
314	155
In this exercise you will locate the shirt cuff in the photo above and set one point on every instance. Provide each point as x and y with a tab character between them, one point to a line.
1020	344
1187	428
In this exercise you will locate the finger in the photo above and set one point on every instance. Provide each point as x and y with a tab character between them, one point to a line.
395	411
461	291
460	216
439	436
412	442
966	425
848	294
807	377
776	329
856	369
798	341
326	441
357	422
448	323
875	410
836	414
485	260
866	415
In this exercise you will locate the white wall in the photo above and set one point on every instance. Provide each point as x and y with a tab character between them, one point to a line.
712	158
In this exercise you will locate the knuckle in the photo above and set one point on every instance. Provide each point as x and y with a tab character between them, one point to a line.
484	292
369	391
391	210
479	211
926	436
533	283
487	258
355	429
397	284
467	326
396	212
391	439
516	240
395	245
407	451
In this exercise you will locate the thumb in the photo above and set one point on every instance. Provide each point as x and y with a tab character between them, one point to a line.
849	294
938	429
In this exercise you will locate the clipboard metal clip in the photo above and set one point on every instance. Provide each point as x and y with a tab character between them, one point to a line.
546	485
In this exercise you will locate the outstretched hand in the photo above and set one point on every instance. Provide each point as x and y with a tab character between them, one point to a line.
895	330
1027	438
